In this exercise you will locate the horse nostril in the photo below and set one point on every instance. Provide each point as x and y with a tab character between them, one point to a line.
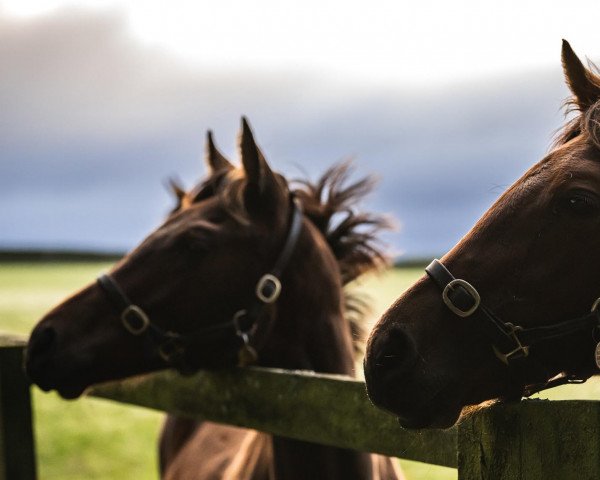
42	341
397	353
391	357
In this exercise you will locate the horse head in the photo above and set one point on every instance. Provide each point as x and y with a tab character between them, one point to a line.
511	309
205	289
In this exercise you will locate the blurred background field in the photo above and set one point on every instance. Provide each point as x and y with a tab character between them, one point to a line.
95	439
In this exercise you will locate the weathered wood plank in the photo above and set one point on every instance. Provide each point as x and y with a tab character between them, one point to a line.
328	409
12	340
530	440
17	452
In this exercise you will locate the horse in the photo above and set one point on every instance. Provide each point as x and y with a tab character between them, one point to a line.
248	268
512	308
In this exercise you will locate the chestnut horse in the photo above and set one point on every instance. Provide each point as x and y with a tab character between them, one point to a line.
244	270
511	309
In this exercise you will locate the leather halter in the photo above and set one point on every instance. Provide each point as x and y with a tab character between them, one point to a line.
511	343
172	346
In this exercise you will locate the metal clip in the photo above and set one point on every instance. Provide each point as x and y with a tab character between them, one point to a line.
524	350
171	348
237	325
247	354
597	355
573	380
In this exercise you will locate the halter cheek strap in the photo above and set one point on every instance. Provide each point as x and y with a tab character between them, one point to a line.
510	343
172	346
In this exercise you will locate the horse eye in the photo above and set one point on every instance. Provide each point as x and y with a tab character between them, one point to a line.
196	244
580	203
195	240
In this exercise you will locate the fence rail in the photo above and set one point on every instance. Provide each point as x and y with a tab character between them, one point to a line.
328	409
530	440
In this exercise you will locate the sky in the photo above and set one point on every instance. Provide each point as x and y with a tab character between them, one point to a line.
446	102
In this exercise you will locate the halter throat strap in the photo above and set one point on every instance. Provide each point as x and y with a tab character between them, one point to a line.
511	343
172	346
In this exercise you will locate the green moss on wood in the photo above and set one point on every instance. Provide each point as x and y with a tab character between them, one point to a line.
530	440
328	409
12	340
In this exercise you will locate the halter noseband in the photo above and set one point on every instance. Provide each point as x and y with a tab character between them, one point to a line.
172	346
511	343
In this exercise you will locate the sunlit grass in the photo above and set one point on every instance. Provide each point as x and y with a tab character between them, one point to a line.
94	439
384	288
27	290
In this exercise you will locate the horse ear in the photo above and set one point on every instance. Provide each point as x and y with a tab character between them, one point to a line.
215	160
263	191
582	82
176	189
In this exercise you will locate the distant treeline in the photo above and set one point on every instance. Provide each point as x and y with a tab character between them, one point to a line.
58	256
25	255
412	262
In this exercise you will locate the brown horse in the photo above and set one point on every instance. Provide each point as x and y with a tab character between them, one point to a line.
522	314
245	269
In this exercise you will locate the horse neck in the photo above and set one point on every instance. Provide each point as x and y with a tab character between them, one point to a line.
316	338
310	332
296	460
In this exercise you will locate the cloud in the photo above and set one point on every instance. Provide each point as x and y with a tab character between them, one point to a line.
93	122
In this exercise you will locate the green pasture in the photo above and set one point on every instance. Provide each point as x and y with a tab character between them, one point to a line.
95	439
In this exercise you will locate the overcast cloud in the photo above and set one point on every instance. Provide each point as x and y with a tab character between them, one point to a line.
92	123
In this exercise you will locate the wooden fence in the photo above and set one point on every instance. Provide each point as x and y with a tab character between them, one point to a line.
530	440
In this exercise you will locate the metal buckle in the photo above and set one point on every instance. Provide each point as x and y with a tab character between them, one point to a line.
137	313
266	281
470	290
171	348
524	350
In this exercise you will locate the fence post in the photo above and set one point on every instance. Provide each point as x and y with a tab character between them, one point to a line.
17	453
531	440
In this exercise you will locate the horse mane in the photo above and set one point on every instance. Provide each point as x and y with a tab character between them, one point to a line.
587	122
328	203
353	236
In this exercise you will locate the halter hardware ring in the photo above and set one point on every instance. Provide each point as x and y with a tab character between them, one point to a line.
268	281
457	282
140	315
522	349
171	348
238	328
595	305
246	354
236	322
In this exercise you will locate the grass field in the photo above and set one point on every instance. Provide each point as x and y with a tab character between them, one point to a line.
94	439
